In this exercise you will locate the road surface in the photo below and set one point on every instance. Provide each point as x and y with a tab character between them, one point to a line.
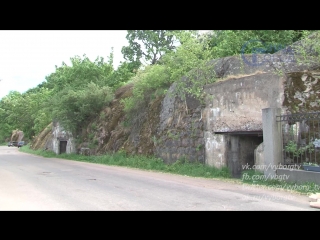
29	182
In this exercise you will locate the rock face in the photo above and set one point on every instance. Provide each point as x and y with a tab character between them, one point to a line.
302	91
17	135
180	131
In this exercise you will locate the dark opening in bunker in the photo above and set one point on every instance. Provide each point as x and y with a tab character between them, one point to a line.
240	150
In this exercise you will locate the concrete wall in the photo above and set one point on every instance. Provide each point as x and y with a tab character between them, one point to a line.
248	84
259	156
234	106
215	149
299	176
59	134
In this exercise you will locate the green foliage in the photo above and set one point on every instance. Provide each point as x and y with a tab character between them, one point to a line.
94	127
24	112
123	74
102	115
225	43
310	164
72	94
9	120
153	80
149	45
308	51
75	108
188	65
188	60
80	73
178	57
199	147
143	162
296	151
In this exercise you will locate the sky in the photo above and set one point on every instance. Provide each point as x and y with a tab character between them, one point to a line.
27	57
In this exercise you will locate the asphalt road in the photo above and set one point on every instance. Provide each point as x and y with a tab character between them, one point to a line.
29	182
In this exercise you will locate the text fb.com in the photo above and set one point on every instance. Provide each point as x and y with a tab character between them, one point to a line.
271	166
270	176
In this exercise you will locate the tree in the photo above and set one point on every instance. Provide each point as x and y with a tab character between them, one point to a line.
149	45
80	73
75	108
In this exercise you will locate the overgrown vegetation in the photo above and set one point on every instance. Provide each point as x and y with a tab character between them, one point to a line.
75	108
178	57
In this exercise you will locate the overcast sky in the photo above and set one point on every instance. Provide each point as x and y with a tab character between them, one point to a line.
27	57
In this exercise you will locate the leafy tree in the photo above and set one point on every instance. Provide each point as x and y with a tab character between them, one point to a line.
80	73
22	111
174	65
123	74
147	44
74	108
9	120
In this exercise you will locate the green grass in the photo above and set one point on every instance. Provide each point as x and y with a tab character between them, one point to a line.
182	167
140	162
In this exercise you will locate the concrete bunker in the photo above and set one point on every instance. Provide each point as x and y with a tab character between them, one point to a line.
233	131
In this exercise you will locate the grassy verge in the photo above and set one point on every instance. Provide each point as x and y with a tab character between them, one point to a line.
141	162
249	177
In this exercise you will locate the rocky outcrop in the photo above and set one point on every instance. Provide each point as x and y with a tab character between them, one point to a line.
17	135
180	130
302	91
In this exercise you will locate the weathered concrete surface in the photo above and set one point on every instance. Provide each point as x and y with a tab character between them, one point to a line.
302	91
272	139
180	130
246	85
215	149
251	63
258	156
299	176
59	134
235	104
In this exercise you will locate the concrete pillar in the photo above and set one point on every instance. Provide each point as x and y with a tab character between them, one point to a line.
234	161
272	140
